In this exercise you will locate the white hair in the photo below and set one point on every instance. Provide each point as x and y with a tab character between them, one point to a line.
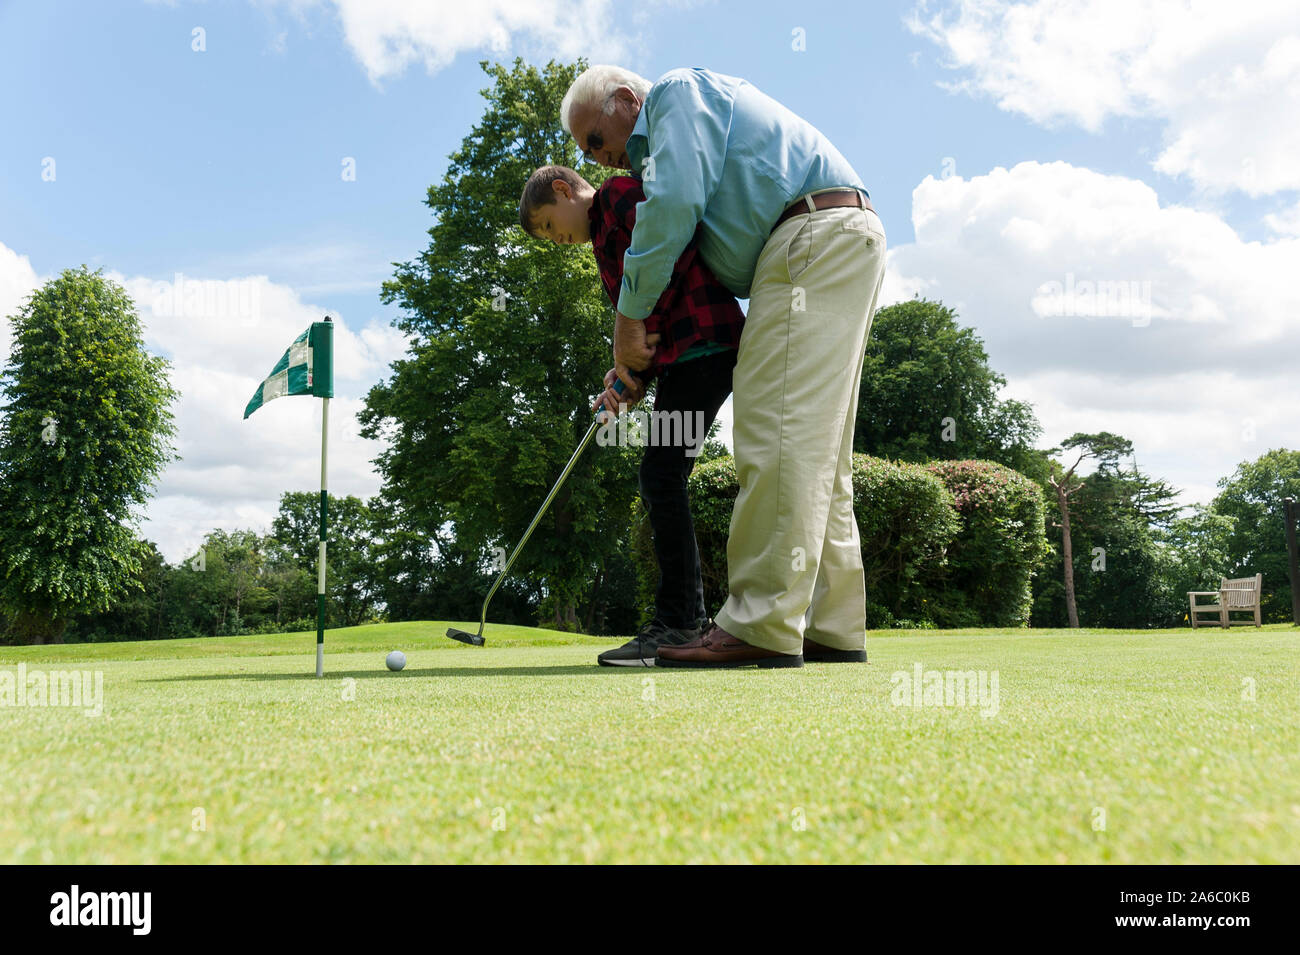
594	87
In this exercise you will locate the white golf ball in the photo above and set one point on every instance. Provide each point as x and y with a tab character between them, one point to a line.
396	660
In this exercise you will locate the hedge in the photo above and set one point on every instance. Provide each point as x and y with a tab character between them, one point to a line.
950	544
906	522
991	564
713	489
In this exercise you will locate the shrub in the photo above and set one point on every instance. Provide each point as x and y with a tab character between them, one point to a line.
713	490
878	617
992	562
905	518
950	544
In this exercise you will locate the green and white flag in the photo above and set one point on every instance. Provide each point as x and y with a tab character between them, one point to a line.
307	368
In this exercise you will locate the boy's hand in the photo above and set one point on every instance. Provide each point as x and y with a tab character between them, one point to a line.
633	349
610	399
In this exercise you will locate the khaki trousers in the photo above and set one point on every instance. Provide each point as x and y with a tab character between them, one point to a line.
793	556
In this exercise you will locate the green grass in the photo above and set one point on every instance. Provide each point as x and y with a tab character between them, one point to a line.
585	764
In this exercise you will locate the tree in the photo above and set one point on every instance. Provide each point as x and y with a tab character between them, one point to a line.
138	614
1252	497
509	338
85	436
1106	449
1198	552
195	600
292	589
419	573
348	557
1120	523
232	565
928	393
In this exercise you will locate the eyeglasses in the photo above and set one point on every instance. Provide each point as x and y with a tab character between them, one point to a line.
595	140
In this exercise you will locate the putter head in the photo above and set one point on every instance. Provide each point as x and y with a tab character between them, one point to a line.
473	639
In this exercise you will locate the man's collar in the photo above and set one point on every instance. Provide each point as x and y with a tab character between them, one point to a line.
638	140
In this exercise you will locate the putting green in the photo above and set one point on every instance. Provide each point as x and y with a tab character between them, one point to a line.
1103	746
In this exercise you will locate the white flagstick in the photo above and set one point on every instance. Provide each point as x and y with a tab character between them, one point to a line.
302	356
320	567
328	389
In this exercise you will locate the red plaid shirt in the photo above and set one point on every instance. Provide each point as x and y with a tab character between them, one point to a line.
695	307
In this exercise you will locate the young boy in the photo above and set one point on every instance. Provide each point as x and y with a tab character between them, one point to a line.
695	329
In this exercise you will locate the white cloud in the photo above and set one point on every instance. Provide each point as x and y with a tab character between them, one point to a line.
218	323
222	336
232	471
1198	387
1190	428
387	36
17	280
1286	222
1224	77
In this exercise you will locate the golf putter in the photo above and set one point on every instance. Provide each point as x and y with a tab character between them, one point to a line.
476	639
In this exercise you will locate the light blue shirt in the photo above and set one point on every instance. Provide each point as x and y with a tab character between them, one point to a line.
714	150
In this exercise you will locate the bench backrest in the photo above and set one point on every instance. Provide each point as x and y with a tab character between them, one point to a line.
1242	591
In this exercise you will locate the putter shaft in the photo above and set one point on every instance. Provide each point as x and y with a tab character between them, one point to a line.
586	440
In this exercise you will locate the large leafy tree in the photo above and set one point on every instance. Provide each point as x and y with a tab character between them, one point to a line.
1120	567
422	575
1252	497
1117	524
140	614
232	564
1105	449
509	337
1197	553
291	589
237	582
85	434
928	393
348	556
1127	513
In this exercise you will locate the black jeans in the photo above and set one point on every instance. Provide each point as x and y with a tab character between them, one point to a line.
695	388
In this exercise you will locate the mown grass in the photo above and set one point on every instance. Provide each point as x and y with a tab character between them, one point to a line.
1106	746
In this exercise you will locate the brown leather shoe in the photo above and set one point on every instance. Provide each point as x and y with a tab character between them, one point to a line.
718	649
814	652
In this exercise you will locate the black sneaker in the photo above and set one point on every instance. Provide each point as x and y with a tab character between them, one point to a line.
814	652
640	650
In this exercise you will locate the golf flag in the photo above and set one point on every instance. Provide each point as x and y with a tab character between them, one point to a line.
307	368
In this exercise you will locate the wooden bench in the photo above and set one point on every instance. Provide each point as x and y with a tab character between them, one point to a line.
1239	594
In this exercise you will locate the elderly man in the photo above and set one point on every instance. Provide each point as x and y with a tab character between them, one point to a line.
784	221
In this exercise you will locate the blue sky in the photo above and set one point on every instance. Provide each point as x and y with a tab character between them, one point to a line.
1007	147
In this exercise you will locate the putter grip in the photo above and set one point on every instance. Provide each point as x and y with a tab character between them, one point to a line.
618	390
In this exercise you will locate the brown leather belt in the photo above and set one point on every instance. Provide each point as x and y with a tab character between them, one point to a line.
825	200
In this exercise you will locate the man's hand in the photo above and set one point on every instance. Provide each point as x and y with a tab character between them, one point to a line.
610	399
633	349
